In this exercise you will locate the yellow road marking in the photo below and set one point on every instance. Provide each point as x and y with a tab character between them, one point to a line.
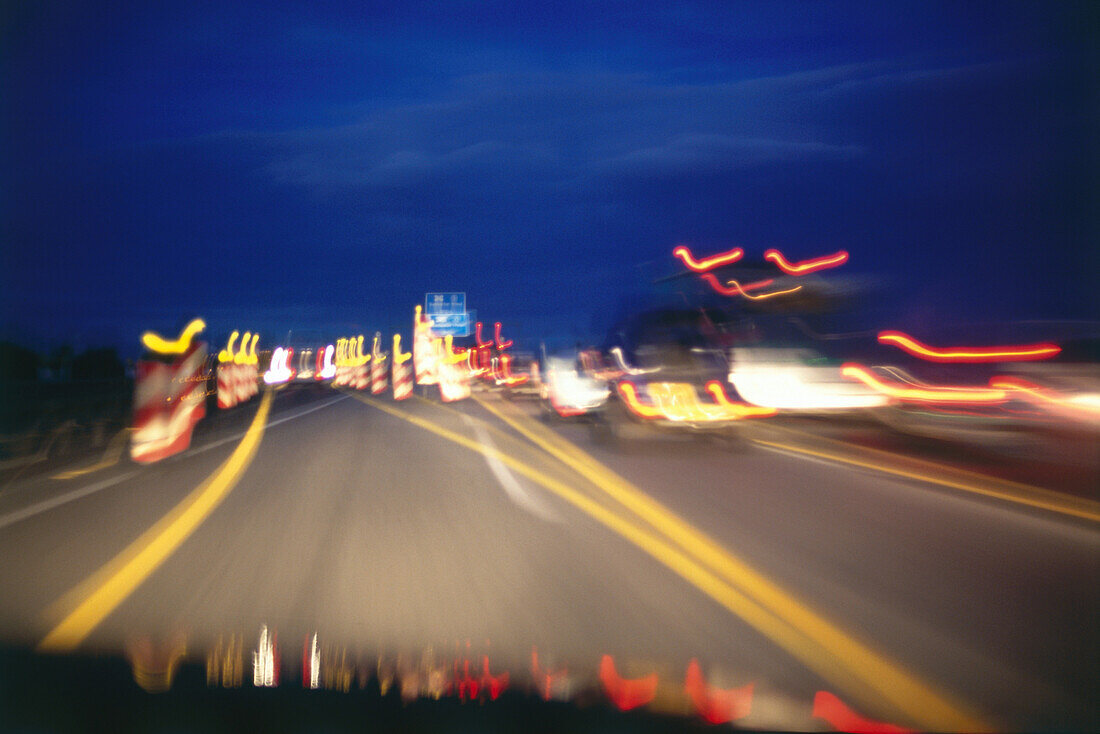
113	583
818	644
912	460
111	455
1012	492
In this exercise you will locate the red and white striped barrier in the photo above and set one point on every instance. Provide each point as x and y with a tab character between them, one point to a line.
169	399
402	374
227	390
244	390
425	351
238	373
378	381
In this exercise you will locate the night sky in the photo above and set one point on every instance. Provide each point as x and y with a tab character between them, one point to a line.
323	165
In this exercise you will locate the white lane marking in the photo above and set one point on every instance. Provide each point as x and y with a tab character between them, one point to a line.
14	517
270	424
506	479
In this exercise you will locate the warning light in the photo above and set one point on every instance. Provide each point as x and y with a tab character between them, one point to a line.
707	263
1025	353
806	266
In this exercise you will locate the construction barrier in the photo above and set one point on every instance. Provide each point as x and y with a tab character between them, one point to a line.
227	392
454	378
425	351
378	381
238	372
169	395
402	374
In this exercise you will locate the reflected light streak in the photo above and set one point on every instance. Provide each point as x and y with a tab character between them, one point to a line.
626	693
629	393
501	344
739	290
506	375
716	705
156	343
834	711
806	266
942	394
494	684
1086	405
707	263
311	663
1026	353
742	410
617	353
265	661
762	296
547	680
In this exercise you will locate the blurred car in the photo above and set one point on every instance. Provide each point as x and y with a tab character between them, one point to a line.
798	380
675	379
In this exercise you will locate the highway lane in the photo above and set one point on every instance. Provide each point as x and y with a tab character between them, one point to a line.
997	599
373	531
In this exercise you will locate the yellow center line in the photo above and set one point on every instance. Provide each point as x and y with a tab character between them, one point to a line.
817	643
1011	492
117	579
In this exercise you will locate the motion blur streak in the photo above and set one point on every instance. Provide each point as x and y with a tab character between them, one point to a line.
708	263
494	684
477	337
154	667
506	375
629	395
111	455
226	355
545	678
265	660
156	343
806	266
1082	405
1027	353
762	296
943	394
714	387
716	705
501	343
123	574
832	710
820	645
328	369
739	290
279	370
311	663
241	357
225	663
398	356
626	693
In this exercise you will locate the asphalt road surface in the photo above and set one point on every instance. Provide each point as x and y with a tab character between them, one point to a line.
920	593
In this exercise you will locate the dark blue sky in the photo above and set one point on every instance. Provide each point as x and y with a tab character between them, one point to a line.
324	164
